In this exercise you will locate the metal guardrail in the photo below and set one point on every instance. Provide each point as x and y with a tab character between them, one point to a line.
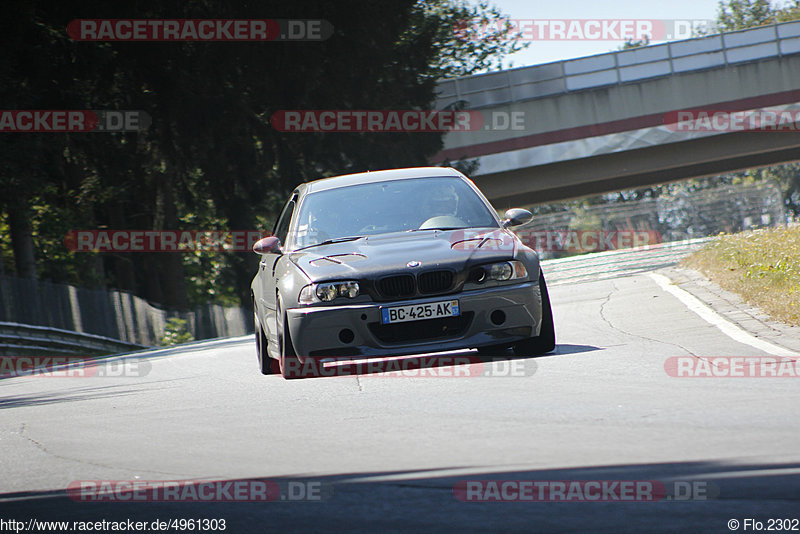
23	340
616	263
613	68
116	315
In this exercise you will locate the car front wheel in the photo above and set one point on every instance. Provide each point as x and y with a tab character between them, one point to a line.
546	340
266	363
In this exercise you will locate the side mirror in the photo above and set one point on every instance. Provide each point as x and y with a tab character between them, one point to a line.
267	245
516	217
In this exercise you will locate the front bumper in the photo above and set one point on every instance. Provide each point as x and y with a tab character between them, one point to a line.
321	331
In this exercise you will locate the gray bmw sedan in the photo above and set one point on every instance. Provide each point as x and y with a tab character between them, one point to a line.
395	262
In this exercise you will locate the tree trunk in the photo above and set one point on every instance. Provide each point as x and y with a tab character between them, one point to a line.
124	271
244	265
22	240
171	275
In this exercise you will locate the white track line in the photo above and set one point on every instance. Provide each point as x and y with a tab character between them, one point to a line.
710	316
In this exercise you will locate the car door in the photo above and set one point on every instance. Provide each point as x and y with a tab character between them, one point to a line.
266	272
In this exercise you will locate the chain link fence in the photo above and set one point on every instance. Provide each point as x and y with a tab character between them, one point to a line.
674	217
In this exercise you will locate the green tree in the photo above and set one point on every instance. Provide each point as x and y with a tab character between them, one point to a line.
175	332
631	43
210	157
741	14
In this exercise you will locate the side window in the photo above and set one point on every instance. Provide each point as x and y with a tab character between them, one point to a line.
282	226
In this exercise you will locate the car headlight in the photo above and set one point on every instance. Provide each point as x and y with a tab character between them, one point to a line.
348	289
502	272
328	291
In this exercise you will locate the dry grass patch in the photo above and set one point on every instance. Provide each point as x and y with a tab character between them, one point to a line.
762	266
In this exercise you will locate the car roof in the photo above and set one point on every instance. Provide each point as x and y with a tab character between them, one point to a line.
377	176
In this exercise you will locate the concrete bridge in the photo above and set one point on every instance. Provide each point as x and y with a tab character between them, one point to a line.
609	122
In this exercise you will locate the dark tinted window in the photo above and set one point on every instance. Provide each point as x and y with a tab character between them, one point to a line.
282	226
393	206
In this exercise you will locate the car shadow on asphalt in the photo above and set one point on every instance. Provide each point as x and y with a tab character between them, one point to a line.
699	496
572	349
75	395
130	364
463	363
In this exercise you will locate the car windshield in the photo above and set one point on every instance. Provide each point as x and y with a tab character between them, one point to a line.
391	206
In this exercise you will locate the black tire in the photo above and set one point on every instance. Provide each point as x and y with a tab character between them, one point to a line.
265	363
546	340
290	365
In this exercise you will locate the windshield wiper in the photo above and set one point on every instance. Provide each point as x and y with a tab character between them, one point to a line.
332	241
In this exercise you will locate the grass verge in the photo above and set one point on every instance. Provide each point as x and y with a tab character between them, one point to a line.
761	266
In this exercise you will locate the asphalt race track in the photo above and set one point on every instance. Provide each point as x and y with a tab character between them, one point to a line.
385	451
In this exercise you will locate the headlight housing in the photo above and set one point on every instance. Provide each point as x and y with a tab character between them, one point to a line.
502	272
328	291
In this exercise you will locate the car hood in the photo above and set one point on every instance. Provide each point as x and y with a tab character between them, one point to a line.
380	254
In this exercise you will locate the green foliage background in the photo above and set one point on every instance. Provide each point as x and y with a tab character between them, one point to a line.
210	160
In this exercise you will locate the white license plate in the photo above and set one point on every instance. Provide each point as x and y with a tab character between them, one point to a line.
418	312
